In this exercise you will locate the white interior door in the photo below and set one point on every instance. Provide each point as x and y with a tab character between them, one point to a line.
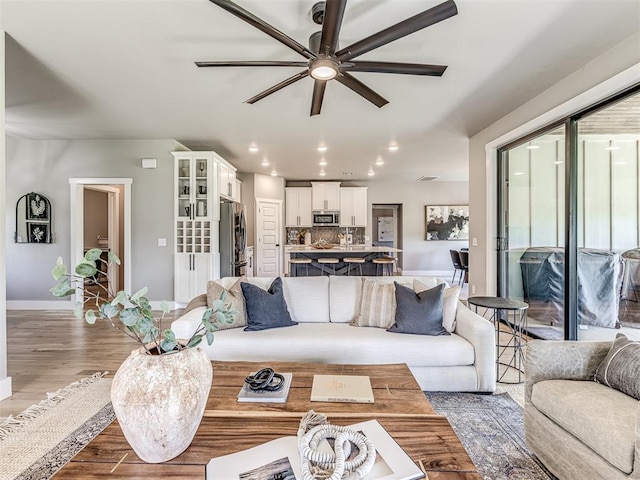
268	231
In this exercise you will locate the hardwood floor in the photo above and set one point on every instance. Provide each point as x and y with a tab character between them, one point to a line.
47	350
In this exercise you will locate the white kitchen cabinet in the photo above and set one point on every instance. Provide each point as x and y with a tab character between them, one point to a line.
228	183
237	191
298	207
197	217
325	196
353	207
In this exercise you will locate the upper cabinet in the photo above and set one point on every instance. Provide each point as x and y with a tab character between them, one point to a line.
298	207
325	196
353	207
229	185
196	187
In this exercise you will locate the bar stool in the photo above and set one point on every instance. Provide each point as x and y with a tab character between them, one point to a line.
329	261
357	260
300	261
384	262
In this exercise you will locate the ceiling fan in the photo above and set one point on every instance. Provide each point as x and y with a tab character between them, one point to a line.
326	62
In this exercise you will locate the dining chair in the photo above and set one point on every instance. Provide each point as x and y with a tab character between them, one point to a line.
457	266
464	262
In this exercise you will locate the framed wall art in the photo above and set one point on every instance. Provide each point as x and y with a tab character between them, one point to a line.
447	222
33	219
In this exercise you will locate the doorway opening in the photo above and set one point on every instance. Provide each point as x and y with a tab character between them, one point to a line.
101	218
386	228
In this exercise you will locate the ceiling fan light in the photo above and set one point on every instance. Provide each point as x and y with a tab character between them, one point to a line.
322	162
324	69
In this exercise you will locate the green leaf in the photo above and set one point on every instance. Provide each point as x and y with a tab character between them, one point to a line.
78	309
113	258
223	296
120	298
164	306
59	271
130	316
221	317
195	341
139	294
218	305
62	289
169	335
90	317
86	269
207	315
168	345
209	338
109	311
93	254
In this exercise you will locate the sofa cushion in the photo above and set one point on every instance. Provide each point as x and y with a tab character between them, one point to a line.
377	304
620	367
602	418
235	298
266	309
307	298
449	303
419	313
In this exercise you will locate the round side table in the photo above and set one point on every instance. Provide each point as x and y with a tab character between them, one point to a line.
514	315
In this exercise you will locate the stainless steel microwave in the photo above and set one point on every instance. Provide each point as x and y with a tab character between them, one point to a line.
326	219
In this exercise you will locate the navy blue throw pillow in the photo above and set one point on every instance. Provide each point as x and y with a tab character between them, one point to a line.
419	313
266	309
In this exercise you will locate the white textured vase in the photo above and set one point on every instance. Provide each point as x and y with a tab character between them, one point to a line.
159	401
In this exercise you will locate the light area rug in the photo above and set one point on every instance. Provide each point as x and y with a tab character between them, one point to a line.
491	429
39	441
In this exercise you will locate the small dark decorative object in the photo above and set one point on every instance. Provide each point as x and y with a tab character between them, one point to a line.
266	380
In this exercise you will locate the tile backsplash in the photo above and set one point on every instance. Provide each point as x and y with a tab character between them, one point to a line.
328	234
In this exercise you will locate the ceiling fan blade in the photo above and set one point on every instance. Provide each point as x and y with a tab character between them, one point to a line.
263	26
406	27
275	88
394	67
361	89
333	13
318	95
252	64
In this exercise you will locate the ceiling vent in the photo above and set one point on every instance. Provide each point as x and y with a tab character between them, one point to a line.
424	178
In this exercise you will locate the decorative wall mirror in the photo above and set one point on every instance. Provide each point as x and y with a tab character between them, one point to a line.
33	219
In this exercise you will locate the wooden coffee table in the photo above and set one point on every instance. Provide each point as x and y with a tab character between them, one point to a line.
229	426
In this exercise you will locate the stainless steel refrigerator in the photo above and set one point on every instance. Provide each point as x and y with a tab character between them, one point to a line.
233	239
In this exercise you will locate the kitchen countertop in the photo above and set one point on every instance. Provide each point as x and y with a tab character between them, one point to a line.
339	248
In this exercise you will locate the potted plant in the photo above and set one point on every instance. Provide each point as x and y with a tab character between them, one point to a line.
160	391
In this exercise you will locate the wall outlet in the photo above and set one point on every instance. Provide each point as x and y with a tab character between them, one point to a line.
162	242
473	289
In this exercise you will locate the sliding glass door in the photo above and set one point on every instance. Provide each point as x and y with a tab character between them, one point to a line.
569	223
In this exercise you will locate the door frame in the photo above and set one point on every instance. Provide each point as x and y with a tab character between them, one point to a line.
76	208
280	230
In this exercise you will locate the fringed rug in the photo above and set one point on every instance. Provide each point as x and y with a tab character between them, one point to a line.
39	441
491	429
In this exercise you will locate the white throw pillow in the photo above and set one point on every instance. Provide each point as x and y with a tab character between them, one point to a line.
449	304
377	305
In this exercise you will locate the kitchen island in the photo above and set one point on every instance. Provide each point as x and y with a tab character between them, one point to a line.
339	252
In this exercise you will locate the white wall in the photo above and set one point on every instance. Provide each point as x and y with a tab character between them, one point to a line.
607	74
46	166
5	380
96	217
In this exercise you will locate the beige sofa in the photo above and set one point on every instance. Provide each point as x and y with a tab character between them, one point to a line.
324	307
580	429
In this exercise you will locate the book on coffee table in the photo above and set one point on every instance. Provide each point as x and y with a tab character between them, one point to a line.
280	459
342	388
280	396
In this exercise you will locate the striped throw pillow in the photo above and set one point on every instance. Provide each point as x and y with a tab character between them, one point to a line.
619	369
377	305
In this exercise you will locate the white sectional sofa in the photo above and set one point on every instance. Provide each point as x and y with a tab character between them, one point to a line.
324	308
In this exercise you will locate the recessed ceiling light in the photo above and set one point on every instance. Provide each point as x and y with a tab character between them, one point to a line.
322	162
379	161
274	173
393	147
533	147
265	162
518	173
322	148
253	148
621	162
322	173
612	147
559	162
371	173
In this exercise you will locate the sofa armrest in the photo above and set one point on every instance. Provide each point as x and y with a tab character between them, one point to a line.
549	360
480	333
185	326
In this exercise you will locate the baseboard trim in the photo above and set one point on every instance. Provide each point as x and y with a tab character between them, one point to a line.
5	388
53	305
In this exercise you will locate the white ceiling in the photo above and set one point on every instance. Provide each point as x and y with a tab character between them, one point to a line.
124	69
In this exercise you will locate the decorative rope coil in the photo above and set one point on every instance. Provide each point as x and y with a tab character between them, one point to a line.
315	464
